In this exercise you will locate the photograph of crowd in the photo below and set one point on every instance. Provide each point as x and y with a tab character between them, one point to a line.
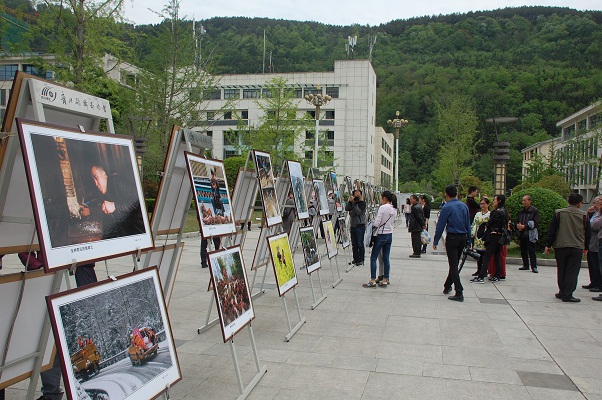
282	260
86	192
331	245
231	290
265	175
212	198
114	338
297	183
310	249
336	191
343	233
320	195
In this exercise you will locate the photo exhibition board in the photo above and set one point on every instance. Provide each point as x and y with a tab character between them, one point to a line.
243	199
86	192
343	232
297	184
24	340
320	195
162	256
331	242
128	339
283	188
211	196
231	290
310	249
267	187
36	99
282	260
175	192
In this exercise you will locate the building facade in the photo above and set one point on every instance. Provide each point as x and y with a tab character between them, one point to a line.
384	167
349	118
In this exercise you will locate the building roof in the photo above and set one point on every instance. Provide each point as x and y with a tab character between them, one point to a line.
579	113
539	144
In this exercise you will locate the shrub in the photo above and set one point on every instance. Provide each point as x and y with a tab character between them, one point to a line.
150	204
437	202
556	184
545	200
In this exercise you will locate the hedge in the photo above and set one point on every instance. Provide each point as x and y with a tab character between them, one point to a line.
545	200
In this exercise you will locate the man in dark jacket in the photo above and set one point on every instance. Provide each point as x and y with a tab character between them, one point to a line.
528	221
416	226
473	205
569	234
356	207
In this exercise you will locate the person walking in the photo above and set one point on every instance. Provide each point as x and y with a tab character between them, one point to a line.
407	209
480	218
416	226
456	219
356	207
383	223
496	226
426	212
569	234
593	260
528	221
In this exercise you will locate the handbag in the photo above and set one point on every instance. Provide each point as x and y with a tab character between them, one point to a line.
375	232
504	239
425	238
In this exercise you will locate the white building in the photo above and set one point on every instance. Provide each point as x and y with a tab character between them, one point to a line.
349	118
383	167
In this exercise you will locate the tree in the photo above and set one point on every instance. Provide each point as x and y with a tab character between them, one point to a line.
279	130
457	129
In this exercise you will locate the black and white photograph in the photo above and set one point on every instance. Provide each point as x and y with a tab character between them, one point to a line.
231	290
86	193
310	249
211	195
343	233
114	338
267	186
297	184
320	193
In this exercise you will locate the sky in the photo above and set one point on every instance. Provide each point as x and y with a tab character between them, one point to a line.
332	12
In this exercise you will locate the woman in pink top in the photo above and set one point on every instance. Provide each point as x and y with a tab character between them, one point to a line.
383	223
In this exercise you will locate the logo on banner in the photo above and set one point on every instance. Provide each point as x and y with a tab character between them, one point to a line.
48	94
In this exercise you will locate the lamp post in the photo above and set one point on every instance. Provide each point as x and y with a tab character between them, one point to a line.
139	135
317	101
397	123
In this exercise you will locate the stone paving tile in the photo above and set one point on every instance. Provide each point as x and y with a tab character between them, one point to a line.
497	375
393	386
549	381
537	393
462	390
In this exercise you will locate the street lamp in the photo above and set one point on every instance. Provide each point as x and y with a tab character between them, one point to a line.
140	139
317	101
501	155
397	123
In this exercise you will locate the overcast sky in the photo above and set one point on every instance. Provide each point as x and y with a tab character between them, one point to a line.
334	12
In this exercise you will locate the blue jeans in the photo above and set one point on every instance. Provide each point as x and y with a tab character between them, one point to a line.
357	242
382	243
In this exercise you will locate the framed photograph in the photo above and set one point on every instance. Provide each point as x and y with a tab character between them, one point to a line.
331	242
297	183
282	259
267	187
310	249
231	289
336	191
343	232
114	338
320	194
86	194
211	195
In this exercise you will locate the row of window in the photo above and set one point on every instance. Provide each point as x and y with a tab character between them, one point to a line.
7	71
385	179
244	114
386	162
257	93
595	121
386	147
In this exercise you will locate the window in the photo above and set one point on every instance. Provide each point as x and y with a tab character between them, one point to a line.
244	114
230	135
332	92
266	94
271	114
230	153
3	97
250	93
329	161
330	135
7	72
595	121
298	93
30	69
231	94
309	135
228	115
569	131
312	90
329	114
210	115
309	155
582	125
312	114
209	133
212	94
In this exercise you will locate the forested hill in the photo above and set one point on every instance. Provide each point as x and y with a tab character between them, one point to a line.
536	63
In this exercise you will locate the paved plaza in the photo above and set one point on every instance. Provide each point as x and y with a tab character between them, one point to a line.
510	340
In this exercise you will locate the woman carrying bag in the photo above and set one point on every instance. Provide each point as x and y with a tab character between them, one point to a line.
383	229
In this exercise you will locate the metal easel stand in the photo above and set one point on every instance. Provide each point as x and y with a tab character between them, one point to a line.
292	331
261	289
313	294
245	391
337	281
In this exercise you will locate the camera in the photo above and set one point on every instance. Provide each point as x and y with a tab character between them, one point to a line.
471	253
356	199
